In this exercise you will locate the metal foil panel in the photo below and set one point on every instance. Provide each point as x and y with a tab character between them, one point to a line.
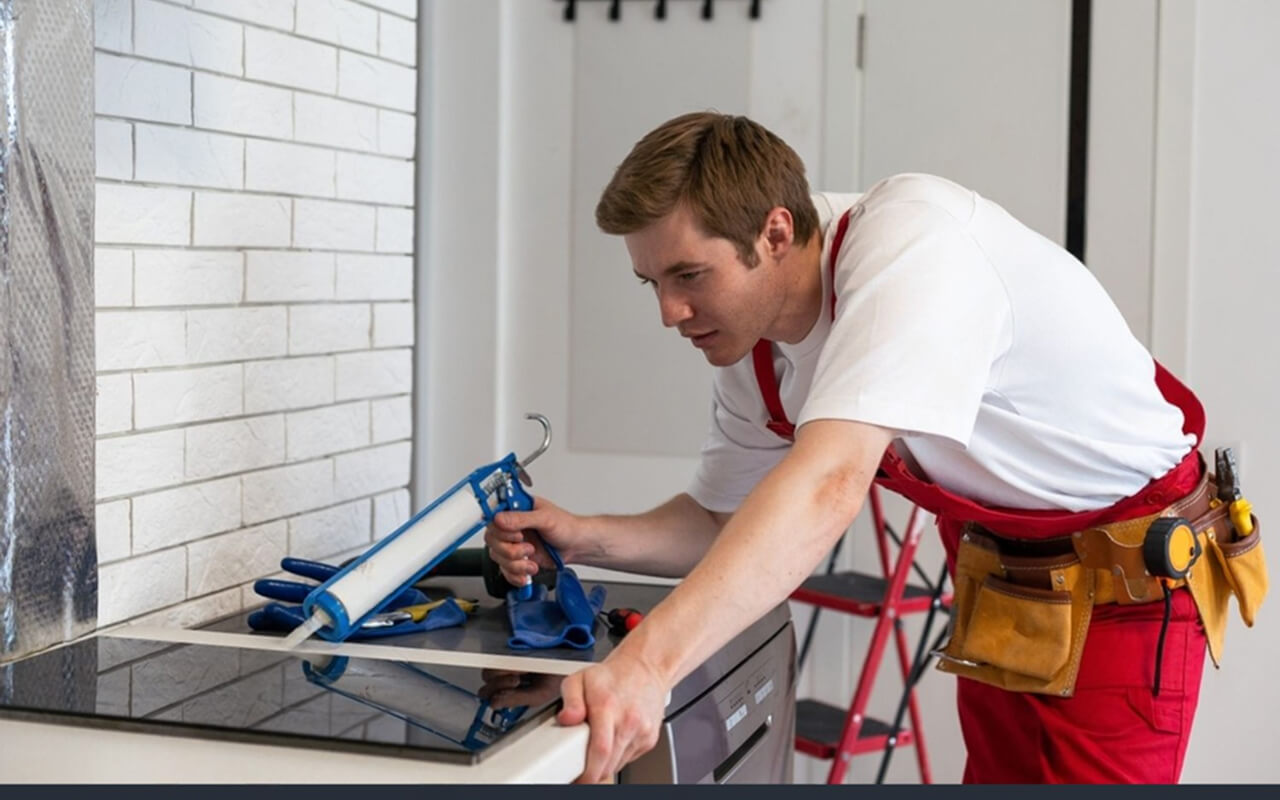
48	558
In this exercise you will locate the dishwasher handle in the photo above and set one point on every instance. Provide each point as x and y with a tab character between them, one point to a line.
726	769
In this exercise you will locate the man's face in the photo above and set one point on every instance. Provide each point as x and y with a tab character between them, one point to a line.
704	289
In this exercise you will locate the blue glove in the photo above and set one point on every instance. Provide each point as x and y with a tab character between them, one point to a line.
278	617
538	623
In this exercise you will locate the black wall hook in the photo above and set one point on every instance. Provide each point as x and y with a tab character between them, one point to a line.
659	9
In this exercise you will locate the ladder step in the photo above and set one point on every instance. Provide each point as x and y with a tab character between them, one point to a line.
860	593
819	726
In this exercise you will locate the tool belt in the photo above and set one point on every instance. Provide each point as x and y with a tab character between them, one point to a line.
1022	607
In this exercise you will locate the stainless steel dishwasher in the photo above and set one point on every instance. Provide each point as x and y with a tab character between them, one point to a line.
733	719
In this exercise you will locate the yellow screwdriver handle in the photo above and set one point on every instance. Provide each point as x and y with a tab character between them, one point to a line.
421	610
1242	516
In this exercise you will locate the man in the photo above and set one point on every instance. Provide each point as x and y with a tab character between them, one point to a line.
920	332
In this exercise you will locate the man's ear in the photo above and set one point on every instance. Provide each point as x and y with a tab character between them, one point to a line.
779	231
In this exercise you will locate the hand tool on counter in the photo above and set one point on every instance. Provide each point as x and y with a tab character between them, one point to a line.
344	602
622	621
410	611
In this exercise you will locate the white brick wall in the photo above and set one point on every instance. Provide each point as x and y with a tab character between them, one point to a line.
297	169
191	158
395	230
285	59
141	215
168	33
362	277
390	511
282	276
329	328
187	277
320	224
254	286
113	531
333	530
113	277
115	403
332	429
114	150
174	397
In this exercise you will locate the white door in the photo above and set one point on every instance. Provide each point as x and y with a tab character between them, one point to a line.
975	91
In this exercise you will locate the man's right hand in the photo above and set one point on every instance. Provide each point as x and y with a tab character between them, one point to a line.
515	539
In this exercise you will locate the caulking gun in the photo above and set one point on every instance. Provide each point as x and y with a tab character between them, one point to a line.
338	607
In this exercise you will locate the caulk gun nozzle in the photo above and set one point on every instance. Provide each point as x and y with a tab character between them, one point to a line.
304	631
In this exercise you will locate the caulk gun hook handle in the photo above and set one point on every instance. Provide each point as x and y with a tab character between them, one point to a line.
546	438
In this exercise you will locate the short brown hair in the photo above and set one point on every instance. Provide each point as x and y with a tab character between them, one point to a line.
728	170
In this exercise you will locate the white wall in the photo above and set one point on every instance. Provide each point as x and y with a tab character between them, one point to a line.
1231	346
1182	210
255	206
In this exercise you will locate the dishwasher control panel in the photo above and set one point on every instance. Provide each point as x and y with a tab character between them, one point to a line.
741	730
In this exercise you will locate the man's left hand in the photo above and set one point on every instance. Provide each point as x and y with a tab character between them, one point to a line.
623	700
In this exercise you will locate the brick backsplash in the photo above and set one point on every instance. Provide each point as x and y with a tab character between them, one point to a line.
254	286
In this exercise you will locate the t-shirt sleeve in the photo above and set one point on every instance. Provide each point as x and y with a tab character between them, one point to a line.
922	321
735	456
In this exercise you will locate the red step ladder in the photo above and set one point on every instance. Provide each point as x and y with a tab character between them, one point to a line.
830	732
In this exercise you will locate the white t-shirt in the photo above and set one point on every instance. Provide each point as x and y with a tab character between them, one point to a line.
1005	370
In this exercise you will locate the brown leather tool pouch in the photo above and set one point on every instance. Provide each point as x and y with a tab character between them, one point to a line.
1021	609
1245	565
1224	568
1018	622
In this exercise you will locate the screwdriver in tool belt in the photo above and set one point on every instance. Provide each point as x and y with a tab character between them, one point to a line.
1241	510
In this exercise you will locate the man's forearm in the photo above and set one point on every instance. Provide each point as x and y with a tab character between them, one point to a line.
781	531
668	540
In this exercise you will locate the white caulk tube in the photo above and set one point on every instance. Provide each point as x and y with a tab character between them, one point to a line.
340	605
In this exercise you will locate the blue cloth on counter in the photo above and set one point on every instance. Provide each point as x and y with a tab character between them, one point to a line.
569	619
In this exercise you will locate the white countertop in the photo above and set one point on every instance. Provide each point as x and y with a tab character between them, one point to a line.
50	753
74	752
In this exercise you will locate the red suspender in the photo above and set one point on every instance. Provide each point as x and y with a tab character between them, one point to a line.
762	359
762	353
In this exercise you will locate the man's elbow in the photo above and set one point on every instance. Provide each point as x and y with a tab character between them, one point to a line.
838	496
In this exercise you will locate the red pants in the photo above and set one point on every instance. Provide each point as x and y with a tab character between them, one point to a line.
1113	730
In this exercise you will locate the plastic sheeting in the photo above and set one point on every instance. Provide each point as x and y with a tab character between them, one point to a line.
48	558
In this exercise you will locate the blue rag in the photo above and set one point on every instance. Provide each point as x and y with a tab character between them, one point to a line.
538	623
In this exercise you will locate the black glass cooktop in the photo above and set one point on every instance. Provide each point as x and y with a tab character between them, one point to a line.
364	705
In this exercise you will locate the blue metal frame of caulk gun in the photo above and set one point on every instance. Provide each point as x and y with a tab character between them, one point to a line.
502	479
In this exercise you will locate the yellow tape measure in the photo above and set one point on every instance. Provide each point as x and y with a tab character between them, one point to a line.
1170	548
